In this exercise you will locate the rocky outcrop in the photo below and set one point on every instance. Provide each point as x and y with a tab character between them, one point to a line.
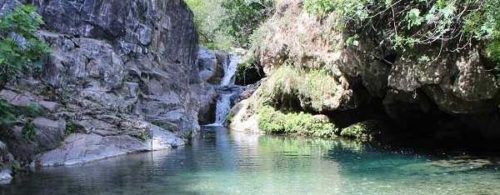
210	71
243	116
82	148
121	78
431	89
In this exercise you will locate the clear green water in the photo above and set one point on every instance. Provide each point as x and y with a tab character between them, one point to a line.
229	163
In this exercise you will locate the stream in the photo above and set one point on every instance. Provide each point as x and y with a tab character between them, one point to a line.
223	162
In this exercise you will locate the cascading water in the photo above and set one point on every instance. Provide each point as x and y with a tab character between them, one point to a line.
226	90
230	68
223	108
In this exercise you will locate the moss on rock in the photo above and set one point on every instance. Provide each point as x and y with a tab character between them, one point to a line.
277	122
312	89
362	131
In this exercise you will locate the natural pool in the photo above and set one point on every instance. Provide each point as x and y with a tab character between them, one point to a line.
219	162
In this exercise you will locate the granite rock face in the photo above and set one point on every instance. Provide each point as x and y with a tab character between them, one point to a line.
116	68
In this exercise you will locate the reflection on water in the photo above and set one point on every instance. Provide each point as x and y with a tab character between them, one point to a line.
219	162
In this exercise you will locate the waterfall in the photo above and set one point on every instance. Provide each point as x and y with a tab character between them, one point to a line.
230	68
226	90
223	109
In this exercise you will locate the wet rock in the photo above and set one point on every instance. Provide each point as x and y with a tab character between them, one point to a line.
6	158
208	96
207	63
83	148
5	176
162	139
6	161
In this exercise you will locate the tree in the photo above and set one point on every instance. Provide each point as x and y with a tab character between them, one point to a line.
243	17
20	48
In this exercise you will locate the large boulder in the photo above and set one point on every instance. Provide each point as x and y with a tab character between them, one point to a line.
6	161
83	148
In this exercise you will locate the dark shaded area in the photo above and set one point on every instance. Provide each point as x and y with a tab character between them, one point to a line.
247	75
205	118
419	124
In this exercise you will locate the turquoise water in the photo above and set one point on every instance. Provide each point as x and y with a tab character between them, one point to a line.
219	162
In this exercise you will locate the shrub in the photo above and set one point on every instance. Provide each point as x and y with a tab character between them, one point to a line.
20	49
28	131
222	24
7	116
405	25
208	17
363	131
319	7
71	127
11	115
275	121
242	17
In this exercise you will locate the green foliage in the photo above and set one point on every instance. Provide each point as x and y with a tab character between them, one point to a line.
222	24
13	115
33	110
7	116
208	17
144	136
277	122
29	131
20	49
406	25
248	71
362	131
242	17
319	7
489	25
71	128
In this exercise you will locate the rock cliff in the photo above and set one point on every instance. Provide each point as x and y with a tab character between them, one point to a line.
450	98
121	78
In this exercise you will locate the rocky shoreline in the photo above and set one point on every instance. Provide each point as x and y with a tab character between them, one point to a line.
121	78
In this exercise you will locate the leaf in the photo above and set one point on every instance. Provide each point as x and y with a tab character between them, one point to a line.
413	18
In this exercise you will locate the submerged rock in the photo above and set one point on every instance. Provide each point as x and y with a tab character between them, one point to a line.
5	176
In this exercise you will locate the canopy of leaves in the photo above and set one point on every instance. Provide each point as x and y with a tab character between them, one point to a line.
222	24
242	17
208	17
20	49
453	25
